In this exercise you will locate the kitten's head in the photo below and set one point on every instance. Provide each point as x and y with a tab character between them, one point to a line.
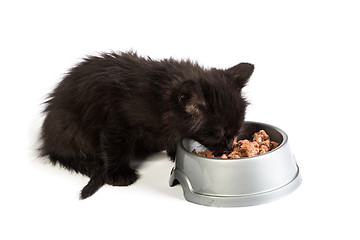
213	107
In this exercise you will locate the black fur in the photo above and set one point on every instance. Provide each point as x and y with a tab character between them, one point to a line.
112	108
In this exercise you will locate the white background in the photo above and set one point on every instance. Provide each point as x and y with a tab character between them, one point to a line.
307	59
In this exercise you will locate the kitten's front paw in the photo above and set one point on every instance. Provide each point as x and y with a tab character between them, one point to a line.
171	151
171	154
172	157
122	178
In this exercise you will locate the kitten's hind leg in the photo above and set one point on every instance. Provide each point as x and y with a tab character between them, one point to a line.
117	152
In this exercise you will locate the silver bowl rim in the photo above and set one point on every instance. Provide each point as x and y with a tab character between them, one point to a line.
284	141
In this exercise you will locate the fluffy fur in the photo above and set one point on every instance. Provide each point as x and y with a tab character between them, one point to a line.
113	108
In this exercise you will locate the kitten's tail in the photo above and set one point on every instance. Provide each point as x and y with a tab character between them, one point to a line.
96	182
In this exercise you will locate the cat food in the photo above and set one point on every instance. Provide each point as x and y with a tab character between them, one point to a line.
261	143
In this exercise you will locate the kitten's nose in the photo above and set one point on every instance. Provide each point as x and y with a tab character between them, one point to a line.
225	146
229	143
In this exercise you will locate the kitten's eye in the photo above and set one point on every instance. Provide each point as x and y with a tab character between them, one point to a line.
228	136
232	134
216	133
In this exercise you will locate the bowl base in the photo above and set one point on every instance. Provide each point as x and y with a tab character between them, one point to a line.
232	201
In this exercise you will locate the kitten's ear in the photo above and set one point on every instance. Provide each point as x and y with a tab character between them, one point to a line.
241	73
190	98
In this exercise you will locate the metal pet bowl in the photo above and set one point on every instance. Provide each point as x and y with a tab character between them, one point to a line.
236	182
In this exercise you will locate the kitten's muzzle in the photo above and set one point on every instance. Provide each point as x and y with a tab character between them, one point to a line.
224	147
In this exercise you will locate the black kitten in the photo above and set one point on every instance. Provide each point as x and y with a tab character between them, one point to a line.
112	108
